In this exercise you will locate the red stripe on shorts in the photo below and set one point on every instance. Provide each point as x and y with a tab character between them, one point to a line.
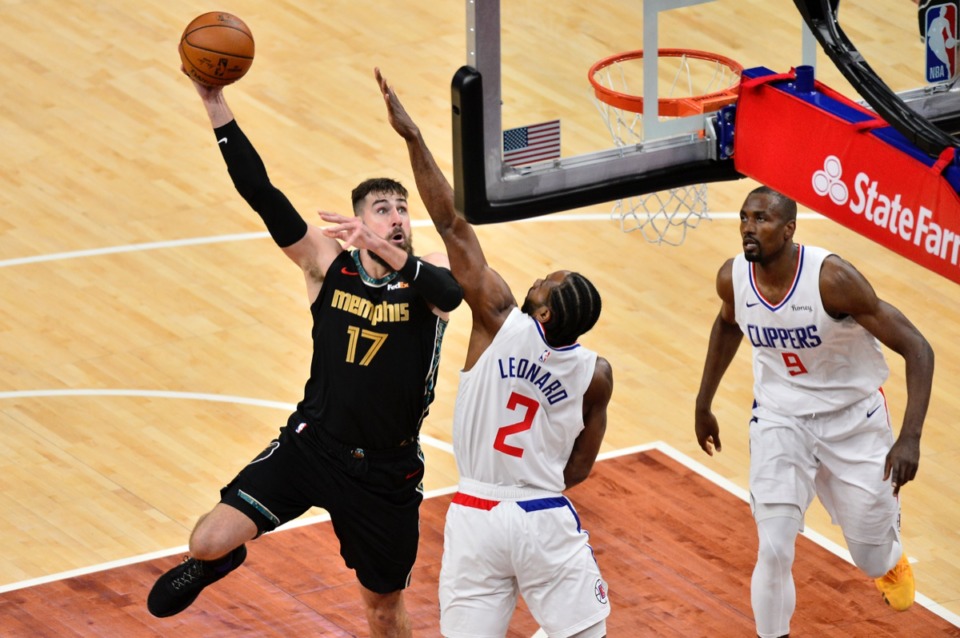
472	501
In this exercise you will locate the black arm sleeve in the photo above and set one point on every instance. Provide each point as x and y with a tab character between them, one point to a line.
436	284
249	176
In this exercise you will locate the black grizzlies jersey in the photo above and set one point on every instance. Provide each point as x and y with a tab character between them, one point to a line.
376	350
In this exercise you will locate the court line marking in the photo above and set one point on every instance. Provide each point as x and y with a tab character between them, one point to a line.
433	442
661	446
131	248
190	396
217	239
813	535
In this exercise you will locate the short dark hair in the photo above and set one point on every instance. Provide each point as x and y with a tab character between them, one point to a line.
574	309
375	185
785	205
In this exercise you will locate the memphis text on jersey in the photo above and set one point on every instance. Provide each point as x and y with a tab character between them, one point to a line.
519	368
382	312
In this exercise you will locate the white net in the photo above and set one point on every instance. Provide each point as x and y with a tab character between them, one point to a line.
662	217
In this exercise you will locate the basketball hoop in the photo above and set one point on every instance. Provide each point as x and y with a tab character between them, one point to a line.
694	83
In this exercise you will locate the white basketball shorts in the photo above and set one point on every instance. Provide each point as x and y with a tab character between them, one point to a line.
494	549
837	456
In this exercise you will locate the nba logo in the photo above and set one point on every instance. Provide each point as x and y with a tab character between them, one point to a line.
941	41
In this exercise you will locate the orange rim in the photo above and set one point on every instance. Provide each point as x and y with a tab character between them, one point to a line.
669	107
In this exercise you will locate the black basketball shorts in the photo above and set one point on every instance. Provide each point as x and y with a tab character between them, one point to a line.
373	498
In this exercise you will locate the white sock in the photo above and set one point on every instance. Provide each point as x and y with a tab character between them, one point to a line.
772	590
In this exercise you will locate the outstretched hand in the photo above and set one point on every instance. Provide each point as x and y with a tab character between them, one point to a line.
351	231
396	114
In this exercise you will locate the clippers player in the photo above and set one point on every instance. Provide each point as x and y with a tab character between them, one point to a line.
529	419
820	423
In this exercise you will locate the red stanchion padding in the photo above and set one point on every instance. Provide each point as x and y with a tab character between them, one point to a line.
843	171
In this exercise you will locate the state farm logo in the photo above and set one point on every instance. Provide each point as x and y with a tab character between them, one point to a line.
904	218
827	181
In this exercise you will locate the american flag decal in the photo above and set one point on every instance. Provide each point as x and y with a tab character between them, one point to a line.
528	144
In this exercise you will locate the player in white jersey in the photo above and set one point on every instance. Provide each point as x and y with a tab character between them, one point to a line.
530	416
520	378
820	425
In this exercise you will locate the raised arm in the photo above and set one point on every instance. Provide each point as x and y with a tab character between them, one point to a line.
304	244
847	292
725	338
484	290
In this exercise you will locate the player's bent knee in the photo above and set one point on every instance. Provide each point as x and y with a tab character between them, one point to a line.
386	613
777	529
594	631
382	605
220	531
208	547
875	560
763	511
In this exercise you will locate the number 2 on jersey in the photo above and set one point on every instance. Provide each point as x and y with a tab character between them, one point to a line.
530	410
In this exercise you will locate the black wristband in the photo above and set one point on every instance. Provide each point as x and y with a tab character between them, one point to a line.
410	268
249	176
434	283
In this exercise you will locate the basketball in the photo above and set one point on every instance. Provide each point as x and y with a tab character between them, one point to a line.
216	49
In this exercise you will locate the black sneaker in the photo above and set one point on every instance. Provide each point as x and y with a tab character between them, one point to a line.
178	588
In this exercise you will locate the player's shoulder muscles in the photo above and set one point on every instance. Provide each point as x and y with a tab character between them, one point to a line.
437	259
844	290
725	281
601	386
314	253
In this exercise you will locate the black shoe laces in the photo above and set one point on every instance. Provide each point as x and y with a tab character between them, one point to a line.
192	573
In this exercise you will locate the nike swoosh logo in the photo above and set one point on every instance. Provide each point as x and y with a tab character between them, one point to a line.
222	140
411	474
751	305
347	272
871	412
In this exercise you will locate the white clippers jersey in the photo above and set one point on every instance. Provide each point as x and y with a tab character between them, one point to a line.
804	361
519	410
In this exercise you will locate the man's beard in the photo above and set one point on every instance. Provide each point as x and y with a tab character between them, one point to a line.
407	246
754	257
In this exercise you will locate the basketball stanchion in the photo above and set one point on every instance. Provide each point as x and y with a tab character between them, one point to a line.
689	83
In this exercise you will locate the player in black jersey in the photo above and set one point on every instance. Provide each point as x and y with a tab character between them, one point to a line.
379	315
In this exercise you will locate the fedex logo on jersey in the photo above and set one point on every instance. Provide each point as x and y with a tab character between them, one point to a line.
887	210
941	41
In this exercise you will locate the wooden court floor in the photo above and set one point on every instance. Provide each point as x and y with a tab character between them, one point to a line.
645	511
153	339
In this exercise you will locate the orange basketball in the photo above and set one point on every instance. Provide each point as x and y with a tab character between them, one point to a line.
216	48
